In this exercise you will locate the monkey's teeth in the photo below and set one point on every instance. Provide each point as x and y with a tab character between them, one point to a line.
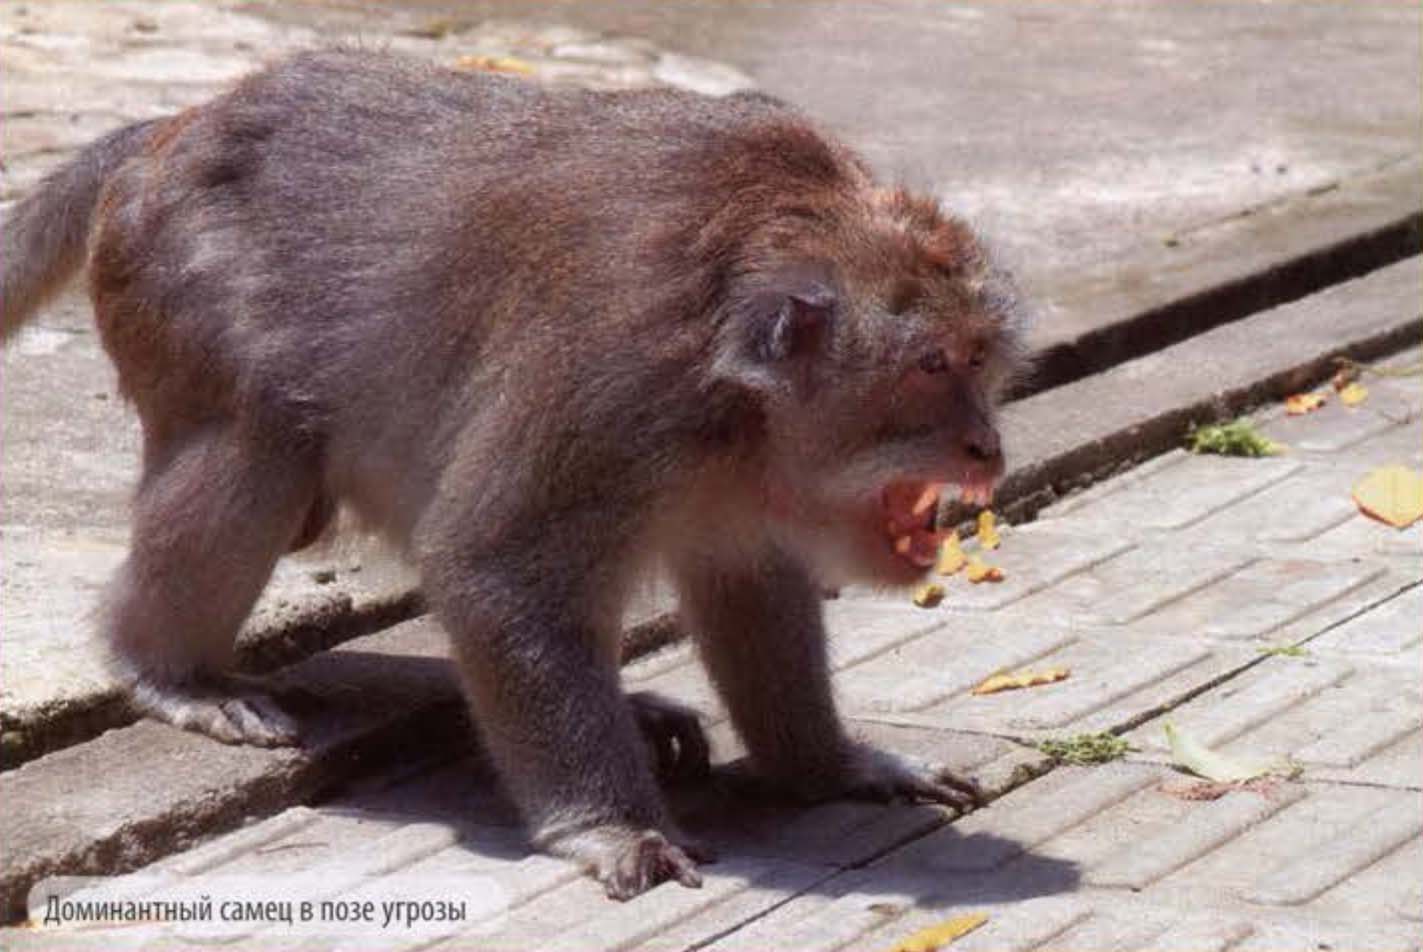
927	500
920	547
977	494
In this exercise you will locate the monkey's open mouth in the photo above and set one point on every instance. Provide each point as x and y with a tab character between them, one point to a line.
911	509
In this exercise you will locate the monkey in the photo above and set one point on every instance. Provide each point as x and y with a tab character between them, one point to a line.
546	341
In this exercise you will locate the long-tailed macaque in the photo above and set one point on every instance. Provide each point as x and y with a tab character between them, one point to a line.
544	340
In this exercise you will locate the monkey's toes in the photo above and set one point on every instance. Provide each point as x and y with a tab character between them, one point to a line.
674	732
884	776
648	860
248	717
943	786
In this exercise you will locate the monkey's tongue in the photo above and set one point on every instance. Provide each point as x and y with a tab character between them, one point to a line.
910	510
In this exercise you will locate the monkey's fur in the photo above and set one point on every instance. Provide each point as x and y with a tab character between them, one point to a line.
543	341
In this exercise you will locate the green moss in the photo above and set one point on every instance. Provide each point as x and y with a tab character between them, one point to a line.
1085	749
1236	438
1285	651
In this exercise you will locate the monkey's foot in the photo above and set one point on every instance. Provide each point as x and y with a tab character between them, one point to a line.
628	862
885	776
226	708
674	733
864	773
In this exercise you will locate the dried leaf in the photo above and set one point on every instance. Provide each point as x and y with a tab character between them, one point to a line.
927	596
1020	679
951	557
1391	494
495	64
1353	394
1267	787
988	530
976	570
940	934
1302	403
1194	756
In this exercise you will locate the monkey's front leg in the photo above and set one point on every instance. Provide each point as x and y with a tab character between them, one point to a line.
547	702
761	633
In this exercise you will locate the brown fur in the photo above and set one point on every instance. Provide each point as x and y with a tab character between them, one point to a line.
544	341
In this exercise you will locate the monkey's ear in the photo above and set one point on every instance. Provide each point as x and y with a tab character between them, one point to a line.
789	315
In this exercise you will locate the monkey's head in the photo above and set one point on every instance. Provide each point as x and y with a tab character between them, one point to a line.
877	340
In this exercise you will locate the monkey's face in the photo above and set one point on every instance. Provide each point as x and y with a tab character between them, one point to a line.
878	389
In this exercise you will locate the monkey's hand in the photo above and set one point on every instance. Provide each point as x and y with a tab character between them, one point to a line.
862	772
630	861
674	733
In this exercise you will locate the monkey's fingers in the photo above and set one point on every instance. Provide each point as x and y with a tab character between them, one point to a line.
964	785
943	787
649	860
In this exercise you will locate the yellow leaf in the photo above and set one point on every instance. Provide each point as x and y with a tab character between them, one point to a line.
987	530
951	557
1301	403
1391	494
1353	394
1020	679
939	935
927	596
979	571
495	64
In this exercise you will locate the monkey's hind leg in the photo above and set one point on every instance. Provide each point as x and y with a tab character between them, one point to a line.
212	515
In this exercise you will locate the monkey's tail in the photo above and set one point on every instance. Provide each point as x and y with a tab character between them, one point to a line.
44	239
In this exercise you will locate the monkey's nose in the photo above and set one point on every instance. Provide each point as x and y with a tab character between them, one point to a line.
981	444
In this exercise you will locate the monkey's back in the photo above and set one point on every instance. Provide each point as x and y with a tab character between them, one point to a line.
310	214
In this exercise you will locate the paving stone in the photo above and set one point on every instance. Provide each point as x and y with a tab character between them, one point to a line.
1115	679
947	661
1134	584
1347	848
1263	597
1183	493
1390	631
1347	721
1315	495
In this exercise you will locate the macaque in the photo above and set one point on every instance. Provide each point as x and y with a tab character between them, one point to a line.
545	341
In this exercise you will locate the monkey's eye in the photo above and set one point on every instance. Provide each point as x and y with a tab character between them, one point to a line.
934	362
977	359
